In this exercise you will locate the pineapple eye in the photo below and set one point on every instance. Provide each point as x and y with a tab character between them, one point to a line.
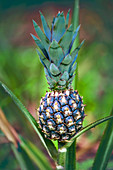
58	118
55	135
76	114
69	121
63	100
67	92
51	124
82	108
65	137
66	111
72	96
72	129
41	107
56	94
56	106
48	101
52	93
45	129
79	122
78	127
74	105
77	97
49	112
61	128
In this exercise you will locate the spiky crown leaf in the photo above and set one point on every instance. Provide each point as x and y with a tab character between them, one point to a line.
54	50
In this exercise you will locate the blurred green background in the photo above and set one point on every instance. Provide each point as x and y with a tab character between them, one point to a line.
22	72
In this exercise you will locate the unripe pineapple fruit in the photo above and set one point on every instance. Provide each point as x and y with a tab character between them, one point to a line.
61	111
61	114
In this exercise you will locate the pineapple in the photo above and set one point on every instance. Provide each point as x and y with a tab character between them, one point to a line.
61	111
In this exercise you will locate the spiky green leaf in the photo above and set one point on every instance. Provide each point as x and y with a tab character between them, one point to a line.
43	59
23	159
35	154
50	80
56	53
40	45
42	36
71	65
106	147
59	27
71	79
66	39
67	60
73	38
67	18
54	70
62	82
73	69
74	52
65	76
45	27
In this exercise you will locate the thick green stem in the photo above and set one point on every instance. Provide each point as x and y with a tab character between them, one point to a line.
61	158
71	151
70	163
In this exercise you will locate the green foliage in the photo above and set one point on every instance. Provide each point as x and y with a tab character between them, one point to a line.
54	50
23	159
47	143
105	148
35	154
70	162
22	72
7	160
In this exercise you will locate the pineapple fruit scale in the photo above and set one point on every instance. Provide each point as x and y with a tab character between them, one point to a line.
61	111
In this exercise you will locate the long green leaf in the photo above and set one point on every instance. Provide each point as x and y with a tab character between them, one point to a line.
41	35
20	145
47	143
24	161
35	154
88	127
106	147
71	157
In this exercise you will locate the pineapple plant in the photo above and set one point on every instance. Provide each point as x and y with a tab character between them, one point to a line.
61	110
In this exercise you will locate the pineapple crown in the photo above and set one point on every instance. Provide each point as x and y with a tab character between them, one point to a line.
55	50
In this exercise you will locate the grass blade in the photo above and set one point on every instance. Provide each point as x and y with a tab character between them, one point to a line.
8	130
105	148
24	162
23	148
35	154
46	142
12	136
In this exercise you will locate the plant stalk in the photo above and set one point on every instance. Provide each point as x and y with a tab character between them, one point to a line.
70	163
61	158
71	151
